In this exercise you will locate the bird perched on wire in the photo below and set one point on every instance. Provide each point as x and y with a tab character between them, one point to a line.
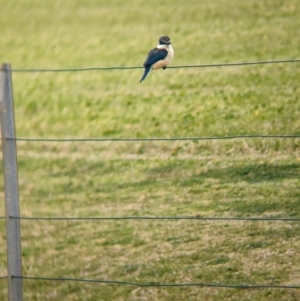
159	57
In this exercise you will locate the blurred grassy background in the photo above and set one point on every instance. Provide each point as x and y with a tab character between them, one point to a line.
246	177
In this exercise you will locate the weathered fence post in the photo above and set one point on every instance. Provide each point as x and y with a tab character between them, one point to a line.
11	186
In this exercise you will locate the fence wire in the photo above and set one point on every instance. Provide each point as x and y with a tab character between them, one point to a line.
279	136
237	286
199	218
169	67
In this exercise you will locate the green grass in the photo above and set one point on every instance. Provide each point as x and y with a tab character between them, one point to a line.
230	178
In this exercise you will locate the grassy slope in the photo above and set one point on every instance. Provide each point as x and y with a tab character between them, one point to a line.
215	178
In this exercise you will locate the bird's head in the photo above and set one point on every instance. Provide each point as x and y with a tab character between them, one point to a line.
164	40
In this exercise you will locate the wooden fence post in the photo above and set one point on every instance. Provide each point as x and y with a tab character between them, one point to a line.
11	186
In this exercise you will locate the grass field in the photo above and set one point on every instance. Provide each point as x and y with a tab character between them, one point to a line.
215	178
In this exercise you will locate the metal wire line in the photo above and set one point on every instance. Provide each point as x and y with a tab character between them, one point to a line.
140	67
238	286
200	218
151	139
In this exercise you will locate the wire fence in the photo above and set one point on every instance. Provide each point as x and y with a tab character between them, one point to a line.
279	136
238	286
169	67
170	218
150	218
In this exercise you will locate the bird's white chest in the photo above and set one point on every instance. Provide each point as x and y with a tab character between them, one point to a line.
166	61
170	52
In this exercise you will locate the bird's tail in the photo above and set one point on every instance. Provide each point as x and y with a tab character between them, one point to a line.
147	70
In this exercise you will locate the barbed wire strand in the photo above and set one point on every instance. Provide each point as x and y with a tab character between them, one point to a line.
200	218
279	136
140	67
3	277
238	286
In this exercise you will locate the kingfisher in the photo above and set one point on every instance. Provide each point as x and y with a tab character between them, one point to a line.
159	57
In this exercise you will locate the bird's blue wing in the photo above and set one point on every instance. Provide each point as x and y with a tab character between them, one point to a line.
155	55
